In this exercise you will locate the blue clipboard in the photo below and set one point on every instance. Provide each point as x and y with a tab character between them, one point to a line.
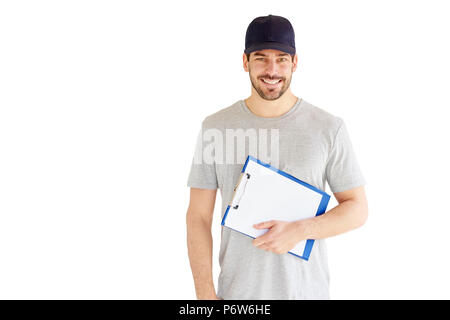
322	199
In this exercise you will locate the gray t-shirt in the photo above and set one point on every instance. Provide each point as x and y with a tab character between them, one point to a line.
306	142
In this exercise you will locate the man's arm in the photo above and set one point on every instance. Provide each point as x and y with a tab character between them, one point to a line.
199	240
349	214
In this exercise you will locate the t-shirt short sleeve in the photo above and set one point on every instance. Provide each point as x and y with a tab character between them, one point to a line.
202	174
342	170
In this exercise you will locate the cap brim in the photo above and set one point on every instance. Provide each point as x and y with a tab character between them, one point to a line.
271	45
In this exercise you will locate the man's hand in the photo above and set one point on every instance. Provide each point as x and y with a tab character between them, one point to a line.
210	297
349	214
281	237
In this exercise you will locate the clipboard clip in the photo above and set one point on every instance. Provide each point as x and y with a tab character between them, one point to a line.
240	188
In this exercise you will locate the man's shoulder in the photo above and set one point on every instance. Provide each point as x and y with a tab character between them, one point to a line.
321	117
223	116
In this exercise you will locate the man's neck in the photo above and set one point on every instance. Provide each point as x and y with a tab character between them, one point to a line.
270	109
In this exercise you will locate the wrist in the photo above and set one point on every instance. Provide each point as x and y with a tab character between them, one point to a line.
305	229
211	296
206	293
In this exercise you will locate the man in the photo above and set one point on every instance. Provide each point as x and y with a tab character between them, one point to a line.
307	142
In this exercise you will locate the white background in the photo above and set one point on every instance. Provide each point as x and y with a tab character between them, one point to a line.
100	106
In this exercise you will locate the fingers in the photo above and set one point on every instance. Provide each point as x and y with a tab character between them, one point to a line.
265	237
271	248
261	240
265	247
267	241
264	225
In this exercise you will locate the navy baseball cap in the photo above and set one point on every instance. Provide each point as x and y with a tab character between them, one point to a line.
270	32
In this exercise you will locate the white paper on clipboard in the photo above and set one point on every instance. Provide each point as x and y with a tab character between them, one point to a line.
266	193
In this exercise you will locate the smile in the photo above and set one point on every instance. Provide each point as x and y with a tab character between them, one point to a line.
270	81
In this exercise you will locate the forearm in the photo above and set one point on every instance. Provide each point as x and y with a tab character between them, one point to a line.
346	216
200	247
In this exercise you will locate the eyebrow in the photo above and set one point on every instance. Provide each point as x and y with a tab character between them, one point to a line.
263	55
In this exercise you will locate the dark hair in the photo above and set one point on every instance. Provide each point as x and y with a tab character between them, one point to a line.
248	56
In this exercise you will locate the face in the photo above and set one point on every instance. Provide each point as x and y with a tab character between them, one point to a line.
270	72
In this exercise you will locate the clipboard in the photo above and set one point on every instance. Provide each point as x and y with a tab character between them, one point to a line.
264	193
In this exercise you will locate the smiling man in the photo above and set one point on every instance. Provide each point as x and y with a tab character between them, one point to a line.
306	142
267	86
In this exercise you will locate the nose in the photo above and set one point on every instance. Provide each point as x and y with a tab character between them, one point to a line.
271	68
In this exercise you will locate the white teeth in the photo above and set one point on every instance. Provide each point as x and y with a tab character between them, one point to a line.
271	81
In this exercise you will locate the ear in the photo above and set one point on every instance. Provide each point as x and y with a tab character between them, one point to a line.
294	63
245	62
